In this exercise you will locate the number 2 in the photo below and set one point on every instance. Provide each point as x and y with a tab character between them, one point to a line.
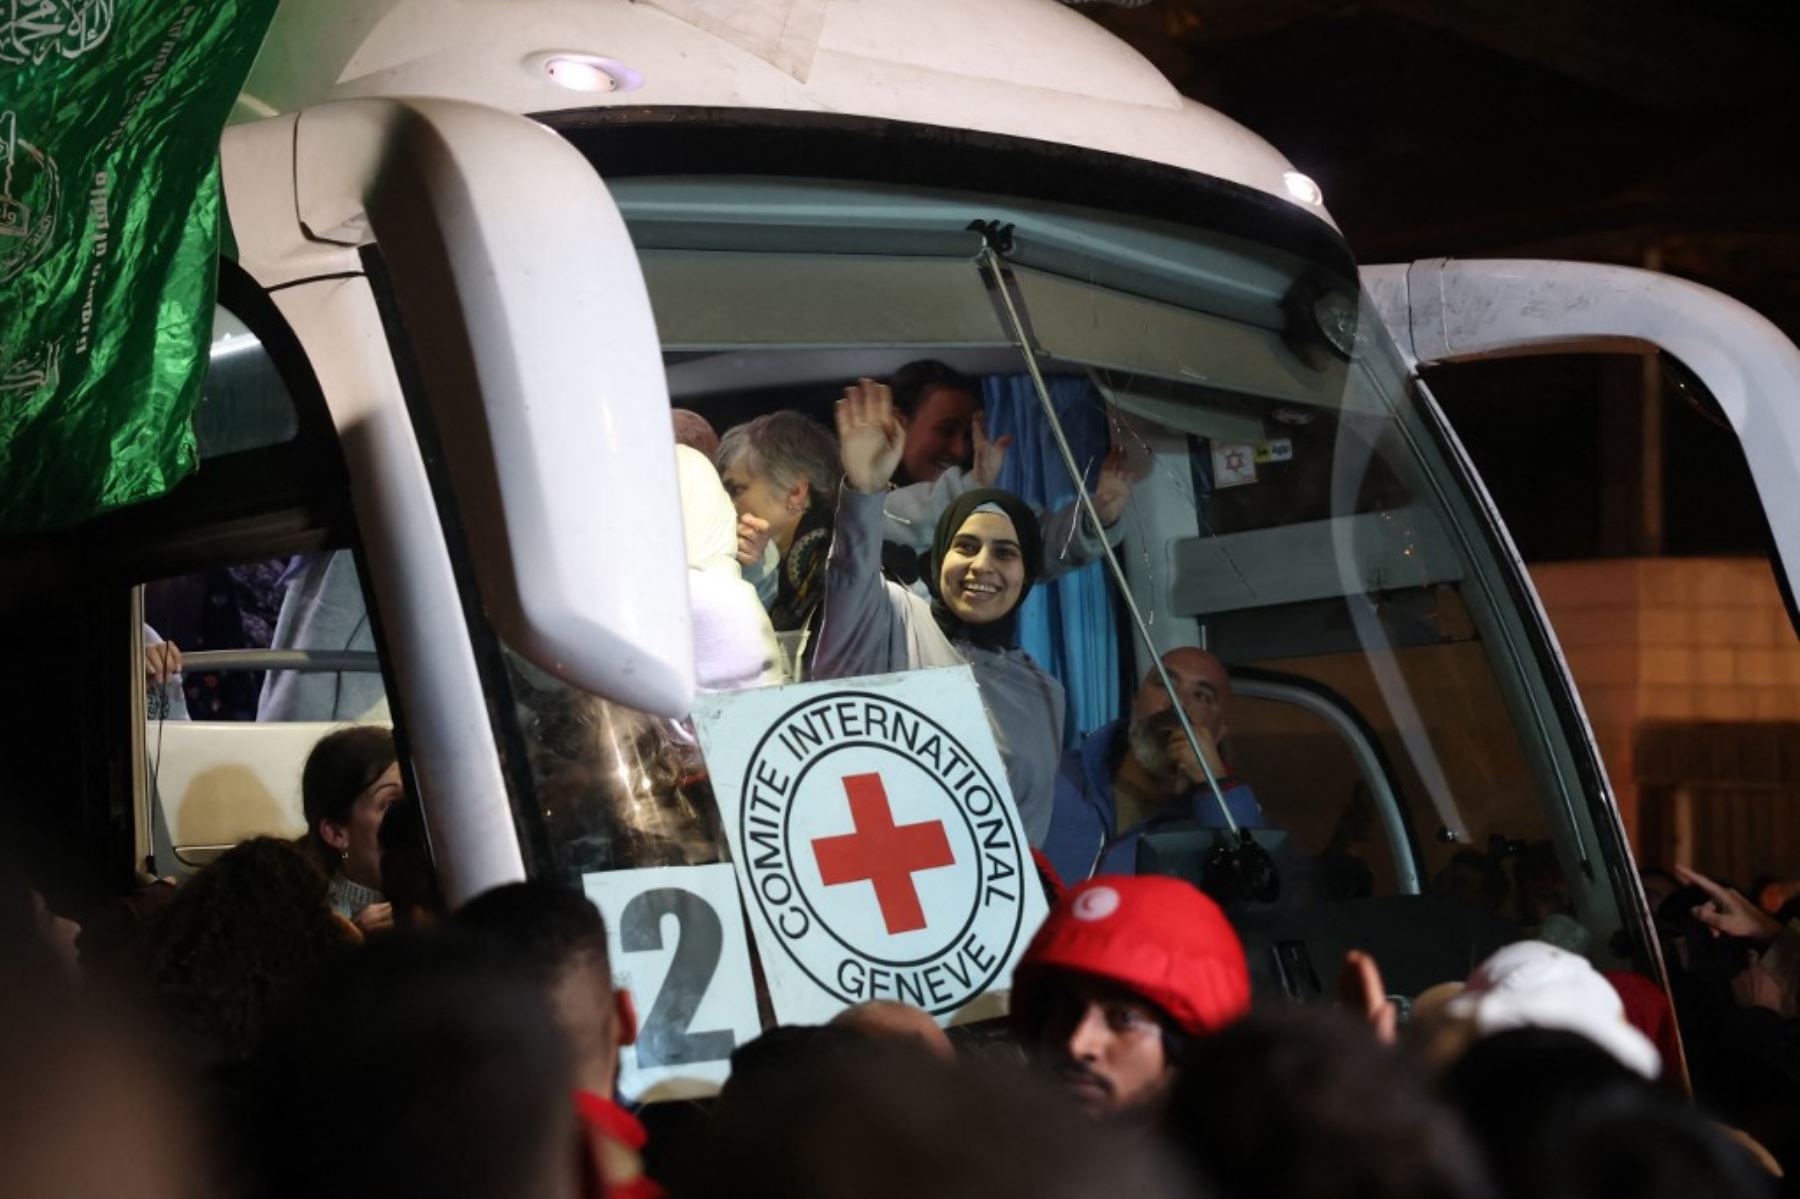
664	1039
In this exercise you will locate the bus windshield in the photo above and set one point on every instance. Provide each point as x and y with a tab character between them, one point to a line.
1339	615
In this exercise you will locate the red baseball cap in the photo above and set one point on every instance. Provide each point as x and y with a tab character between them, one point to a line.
1158	937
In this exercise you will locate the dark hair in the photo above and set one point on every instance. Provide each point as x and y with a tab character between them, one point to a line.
456	1062
883	1119
538	927
912	382
233	942
1511	1087
345	763
1304	1101
1631	1141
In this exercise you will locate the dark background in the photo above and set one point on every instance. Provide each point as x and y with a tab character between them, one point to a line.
1651	133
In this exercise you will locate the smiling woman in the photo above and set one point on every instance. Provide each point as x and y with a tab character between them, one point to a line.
984	559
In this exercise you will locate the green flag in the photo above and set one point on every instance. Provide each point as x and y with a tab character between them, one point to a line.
110	114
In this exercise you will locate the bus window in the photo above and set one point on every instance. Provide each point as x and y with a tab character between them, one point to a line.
244	405
273	655
1288	504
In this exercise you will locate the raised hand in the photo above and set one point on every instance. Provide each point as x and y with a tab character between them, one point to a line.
870	435
752	538
1726	911
1112	491
1361	990
990	456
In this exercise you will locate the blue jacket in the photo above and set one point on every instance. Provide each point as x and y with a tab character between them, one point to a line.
1082	821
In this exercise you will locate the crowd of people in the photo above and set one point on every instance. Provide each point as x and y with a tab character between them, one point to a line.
251	1040
305	1018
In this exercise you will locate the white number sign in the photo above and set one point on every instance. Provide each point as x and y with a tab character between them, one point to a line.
676	938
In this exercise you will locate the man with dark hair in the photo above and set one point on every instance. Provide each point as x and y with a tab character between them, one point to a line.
555	939
854	1116
946	454
1122	976
939	406
1302	1099
420	1065
1129	776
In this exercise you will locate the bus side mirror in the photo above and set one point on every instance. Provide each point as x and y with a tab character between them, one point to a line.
523	309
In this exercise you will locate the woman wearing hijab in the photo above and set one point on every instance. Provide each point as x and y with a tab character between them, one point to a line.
985	556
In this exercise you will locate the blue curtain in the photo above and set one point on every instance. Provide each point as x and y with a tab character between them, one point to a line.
1069	625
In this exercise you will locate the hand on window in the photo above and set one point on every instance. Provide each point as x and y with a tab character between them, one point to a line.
870	435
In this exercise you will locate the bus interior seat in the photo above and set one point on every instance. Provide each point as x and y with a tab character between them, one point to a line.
219	782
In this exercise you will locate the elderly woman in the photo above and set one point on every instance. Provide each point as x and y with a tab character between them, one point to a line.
781	472
983	559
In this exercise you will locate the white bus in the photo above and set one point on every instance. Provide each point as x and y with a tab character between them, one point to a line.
481	249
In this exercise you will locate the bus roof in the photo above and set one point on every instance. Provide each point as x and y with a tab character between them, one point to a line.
1023	68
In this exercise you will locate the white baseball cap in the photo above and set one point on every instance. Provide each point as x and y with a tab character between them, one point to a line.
1530	984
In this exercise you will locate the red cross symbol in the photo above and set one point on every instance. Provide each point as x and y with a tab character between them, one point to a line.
883	853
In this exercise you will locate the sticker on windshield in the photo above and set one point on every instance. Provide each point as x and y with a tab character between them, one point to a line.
676	939
875	840
1233	465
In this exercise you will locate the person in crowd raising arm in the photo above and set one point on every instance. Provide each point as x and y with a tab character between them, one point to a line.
947	452
984	558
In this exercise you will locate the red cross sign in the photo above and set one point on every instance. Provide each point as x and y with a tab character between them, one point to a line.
883	853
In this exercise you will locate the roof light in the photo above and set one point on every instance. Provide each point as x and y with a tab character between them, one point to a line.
1302	188
584	72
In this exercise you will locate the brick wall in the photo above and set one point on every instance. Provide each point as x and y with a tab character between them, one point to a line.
1671	639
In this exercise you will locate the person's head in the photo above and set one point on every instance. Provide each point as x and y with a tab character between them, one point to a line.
903	1021
555	938
418	1065
1125	972
88	1114
985	556
695	431
1628	1141
777	466
1474	879
938	405
880	1120
234	941
351	777
1543	887
1201	683
1302	1100
1511	1086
